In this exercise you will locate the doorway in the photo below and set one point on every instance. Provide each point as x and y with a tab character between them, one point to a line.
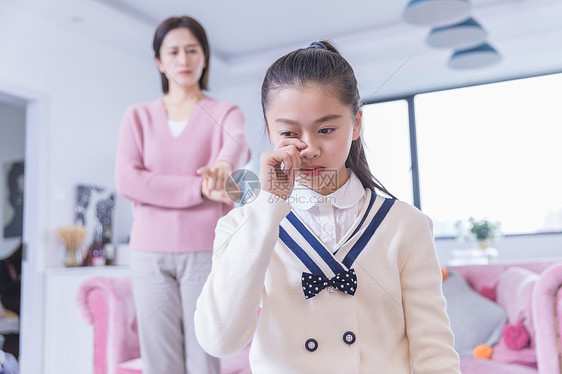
12	187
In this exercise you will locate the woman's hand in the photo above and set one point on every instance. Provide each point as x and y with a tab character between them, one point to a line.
274	178
214	181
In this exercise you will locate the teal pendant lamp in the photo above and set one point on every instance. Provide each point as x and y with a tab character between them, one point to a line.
435	13
462	35
476	57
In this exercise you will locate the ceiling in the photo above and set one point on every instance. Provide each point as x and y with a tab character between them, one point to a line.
389	56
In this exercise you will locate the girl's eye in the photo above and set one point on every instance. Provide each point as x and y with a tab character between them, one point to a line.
325	131
192	51
288	133
173	53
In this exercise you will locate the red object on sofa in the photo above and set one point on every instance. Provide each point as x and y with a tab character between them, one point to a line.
107	304
546	306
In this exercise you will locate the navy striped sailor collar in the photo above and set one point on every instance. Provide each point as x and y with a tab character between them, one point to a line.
312	252
351	193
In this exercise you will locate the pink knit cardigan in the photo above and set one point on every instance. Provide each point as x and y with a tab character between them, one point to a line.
157	172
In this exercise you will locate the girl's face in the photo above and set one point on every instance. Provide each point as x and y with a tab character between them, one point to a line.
327	126
181	58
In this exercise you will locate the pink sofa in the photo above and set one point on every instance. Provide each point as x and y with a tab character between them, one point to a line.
545	298
106	303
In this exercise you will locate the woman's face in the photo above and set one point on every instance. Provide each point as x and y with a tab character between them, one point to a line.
182	59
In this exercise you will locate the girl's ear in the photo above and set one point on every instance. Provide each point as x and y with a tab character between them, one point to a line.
357	124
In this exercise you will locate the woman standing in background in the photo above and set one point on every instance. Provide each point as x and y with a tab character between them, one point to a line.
173	158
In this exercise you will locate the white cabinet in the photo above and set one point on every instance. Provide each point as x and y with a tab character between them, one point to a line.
68	347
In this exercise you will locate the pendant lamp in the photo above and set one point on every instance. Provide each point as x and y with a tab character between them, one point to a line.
436	13
476	57
461	35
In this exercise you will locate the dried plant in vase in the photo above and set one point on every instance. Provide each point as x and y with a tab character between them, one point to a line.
72	237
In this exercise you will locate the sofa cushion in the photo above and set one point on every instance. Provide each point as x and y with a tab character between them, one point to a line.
477	366
130	367
474	319
514	293
525	356
235	364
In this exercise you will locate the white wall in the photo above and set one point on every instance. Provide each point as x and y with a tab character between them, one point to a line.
86	84
77	88
12	148
247	97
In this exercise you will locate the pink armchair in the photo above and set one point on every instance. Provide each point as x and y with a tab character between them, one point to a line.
107	304
546	307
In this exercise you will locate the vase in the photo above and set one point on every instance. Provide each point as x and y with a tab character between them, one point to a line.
73	257
491	254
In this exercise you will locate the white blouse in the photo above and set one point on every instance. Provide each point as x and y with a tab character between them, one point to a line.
329	217
177	127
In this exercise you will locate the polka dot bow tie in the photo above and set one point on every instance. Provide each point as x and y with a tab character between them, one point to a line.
345	282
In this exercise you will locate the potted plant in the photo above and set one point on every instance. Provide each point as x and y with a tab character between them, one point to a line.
484	231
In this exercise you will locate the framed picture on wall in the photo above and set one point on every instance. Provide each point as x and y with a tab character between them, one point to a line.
13	199
93	210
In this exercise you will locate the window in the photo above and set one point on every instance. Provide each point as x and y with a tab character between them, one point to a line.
492	151
387	146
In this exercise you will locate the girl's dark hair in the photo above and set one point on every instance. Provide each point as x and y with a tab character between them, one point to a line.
321	63
197	30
